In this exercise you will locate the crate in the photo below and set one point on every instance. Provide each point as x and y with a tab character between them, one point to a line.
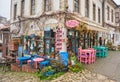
28	68
15	67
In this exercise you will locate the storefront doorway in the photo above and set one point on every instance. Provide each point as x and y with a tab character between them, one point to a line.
73	41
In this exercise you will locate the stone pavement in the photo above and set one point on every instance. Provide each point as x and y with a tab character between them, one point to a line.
84	76
108	66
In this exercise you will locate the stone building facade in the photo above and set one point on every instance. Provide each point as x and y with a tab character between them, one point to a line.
37	16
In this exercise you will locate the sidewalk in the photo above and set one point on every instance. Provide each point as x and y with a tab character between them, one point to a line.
108	66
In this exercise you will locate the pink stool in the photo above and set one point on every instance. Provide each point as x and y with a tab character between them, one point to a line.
28	62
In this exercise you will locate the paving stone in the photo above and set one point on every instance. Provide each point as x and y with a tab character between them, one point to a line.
100	77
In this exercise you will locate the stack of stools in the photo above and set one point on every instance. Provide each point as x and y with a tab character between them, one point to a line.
86	56
101	51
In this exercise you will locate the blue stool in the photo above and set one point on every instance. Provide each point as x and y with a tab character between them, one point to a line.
44	64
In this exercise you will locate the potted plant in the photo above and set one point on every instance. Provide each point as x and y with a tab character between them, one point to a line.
41	54
47	71
52	55
73	60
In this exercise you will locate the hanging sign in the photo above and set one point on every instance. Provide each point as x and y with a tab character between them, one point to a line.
72	23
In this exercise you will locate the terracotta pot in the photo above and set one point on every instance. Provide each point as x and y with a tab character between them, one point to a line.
52	56
41	54
69	62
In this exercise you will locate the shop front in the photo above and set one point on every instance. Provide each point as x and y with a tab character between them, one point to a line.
81	36
59	37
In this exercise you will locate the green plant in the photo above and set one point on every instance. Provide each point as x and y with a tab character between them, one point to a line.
44	72
39	74
76	68
118	47
109	45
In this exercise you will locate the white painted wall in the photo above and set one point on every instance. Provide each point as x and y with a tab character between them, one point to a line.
82	8
111	8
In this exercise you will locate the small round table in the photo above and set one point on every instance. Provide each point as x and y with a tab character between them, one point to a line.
37	60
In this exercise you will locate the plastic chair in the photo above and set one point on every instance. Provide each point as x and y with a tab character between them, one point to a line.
64	58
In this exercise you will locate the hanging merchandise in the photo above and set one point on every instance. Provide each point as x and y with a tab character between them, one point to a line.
32	36
32	46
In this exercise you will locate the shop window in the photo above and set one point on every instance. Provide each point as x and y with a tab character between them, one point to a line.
73	41
49	42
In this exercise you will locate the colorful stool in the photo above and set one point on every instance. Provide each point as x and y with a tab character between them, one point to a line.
44	64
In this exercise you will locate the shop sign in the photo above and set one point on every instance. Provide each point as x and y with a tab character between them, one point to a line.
72	23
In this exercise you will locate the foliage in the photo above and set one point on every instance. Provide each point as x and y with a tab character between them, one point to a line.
119	47
109	45
57	65
73	58
51	77
43	73
76	68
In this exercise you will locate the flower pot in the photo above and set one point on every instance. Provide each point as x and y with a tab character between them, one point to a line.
52	56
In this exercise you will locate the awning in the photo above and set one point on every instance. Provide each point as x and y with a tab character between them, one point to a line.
91	25
100	29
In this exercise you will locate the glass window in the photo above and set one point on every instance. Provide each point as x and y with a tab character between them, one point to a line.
117	14
76	5
94	12
32	7
47	5
87	8
15	11
112	15
108	14
99	20
22	7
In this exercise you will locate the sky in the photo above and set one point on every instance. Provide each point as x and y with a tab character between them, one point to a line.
5	8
